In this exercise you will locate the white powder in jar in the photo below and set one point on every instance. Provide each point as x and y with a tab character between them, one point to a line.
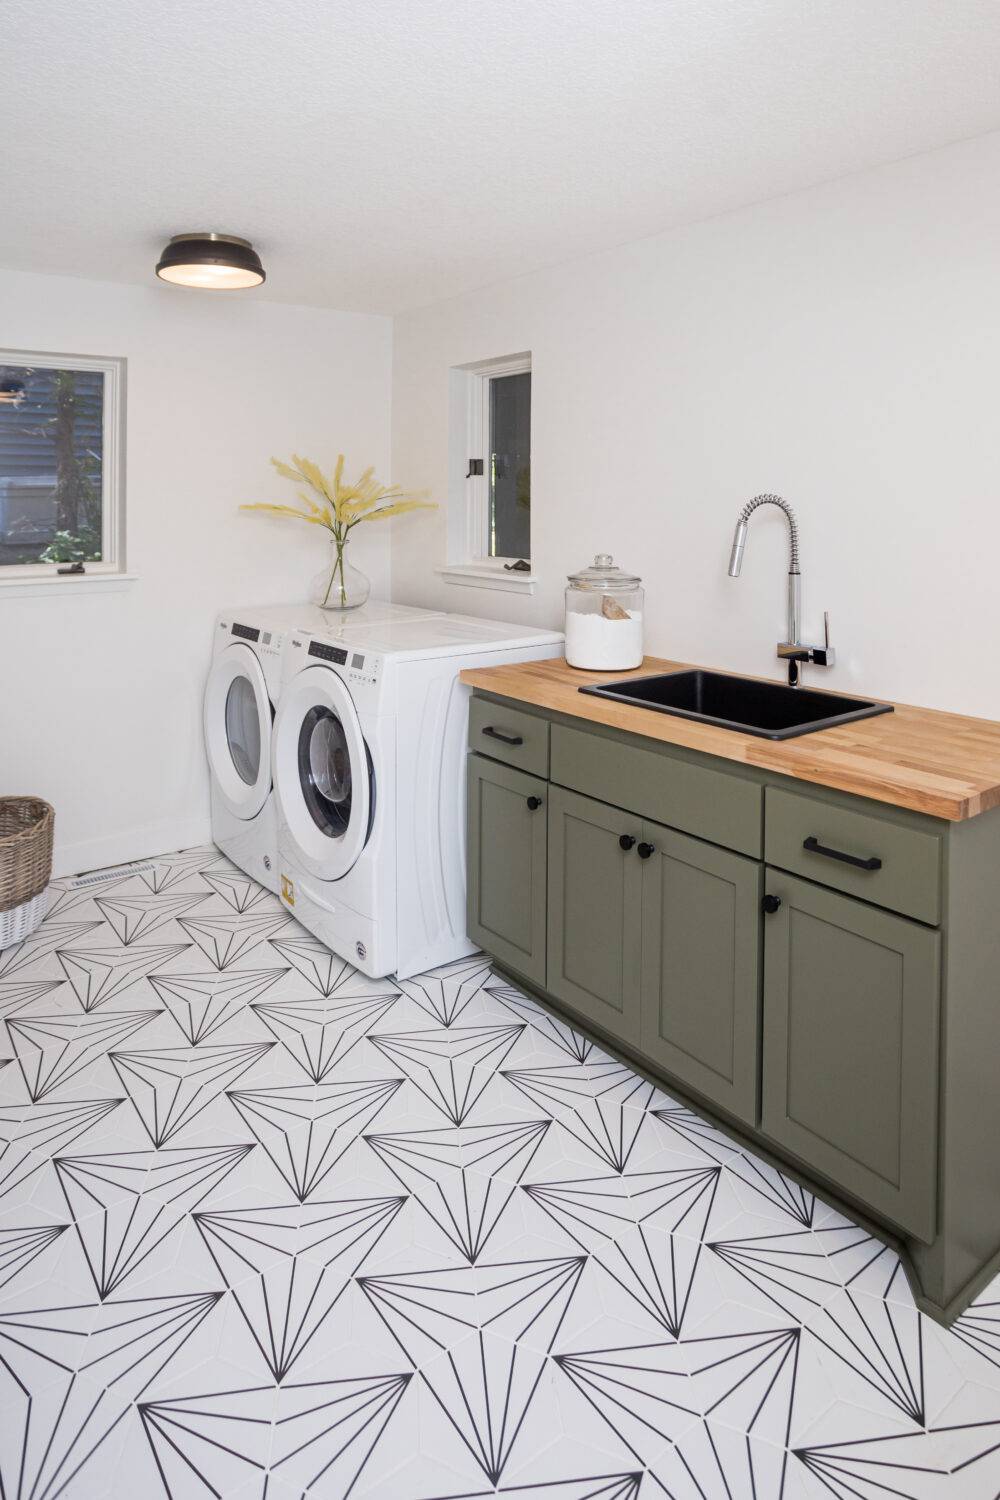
598	644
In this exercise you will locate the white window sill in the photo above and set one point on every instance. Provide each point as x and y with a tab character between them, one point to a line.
49	584
485	576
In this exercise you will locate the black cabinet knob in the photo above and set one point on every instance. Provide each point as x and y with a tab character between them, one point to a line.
770	905
534	803
626	842
645	850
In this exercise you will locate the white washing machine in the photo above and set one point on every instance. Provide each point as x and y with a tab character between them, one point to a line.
241	698
369	752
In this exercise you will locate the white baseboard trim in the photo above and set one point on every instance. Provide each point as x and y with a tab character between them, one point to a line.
129	844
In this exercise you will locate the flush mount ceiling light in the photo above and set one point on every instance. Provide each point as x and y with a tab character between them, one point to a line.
218	262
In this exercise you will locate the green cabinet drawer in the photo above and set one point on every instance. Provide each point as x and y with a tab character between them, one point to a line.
810	836
721	806
507	734
507	853
850	1044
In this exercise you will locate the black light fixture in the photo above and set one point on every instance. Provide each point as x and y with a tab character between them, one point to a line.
218	262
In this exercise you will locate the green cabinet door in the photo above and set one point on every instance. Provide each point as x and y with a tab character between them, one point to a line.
700	967
594	912
506	865
850	1044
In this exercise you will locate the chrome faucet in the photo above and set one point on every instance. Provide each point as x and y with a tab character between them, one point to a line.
791	648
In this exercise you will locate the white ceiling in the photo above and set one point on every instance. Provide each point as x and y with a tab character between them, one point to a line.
387	153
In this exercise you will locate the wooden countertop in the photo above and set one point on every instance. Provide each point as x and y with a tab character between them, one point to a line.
936	763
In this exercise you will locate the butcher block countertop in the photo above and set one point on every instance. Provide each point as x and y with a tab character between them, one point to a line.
936	763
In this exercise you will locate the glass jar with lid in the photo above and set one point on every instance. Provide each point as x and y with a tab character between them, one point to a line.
604	607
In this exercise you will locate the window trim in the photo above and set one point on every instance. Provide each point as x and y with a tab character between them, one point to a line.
24	577
468	559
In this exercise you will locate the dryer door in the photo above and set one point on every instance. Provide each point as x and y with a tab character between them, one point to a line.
238	730
322	773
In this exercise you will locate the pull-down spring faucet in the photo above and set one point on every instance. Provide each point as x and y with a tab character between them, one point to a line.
790	649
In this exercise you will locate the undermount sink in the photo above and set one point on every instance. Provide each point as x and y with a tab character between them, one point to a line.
767	709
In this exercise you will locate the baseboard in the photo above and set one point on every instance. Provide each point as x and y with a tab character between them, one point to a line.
129	844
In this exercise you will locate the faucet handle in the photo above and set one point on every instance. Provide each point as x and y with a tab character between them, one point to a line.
825	655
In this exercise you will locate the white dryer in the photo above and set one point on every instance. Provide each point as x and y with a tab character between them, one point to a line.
369	752
241	698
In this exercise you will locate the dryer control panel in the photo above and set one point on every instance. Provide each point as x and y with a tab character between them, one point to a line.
270	641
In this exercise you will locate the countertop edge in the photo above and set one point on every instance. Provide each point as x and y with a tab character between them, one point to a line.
953	806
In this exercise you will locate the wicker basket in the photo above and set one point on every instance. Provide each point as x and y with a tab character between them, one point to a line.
26	825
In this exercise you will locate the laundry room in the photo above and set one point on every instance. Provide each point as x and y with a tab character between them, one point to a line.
499	751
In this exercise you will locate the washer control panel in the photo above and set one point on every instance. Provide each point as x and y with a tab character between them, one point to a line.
360	666
270	641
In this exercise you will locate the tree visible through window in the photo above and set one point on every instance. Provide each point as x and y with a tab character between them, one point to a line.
54	468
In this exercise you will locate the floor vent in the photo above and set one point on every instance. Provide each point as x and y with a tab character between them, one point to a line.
114	873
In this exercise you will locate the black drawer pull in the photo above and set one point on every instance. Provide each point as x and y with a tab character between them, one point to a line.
645	850
534	803
815	847
498	734
626	842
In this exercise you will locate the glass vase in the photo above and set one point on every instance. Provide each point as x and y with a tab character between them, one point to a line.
339	586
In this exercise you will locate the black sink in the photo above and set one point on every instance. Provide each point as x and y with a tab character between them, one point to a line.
767	709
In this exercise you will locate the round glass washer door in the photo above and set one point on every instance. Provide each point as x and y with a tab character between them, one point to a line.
322	773
238	730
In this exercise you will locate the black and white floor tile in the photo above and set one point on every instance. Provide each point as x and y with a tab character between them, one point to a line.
271	1229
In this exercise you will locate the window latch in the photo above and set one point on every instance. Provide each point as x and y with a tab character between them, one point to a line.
76	567
517	567
475	467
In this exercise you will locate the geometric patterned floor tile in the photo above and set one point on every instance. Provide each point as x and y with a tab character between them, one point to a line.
19	1247
132	917
459	1252
306	1129
708	1416
15	994
29	1140
170	1086
51	1050
450	1066
480	1338
201	1003
645	1229
573	1043
324	971
816	1279
225	940
288	1267
98	974
318	1031
313	1437
68	1377
601	1104
126	1203
772	1186
43	940
445	992
464	1177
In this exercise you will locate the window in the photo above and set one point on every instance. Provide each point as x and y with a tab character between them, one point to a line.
60	465
489	523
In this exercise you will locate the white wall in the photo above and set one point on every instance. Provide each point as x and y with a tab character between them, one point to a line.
100	694
839	346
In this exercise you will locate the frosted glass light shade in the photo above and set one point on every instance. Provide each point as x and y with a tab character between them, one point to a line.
213	262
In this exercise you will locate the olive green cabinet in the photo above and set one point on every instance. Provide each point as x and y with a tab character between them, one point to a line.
819	968
700	986
594	936
507	857
851	1046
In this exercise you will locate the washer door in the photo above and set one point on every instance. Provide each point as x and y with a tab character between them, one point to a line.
238	730
322	772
